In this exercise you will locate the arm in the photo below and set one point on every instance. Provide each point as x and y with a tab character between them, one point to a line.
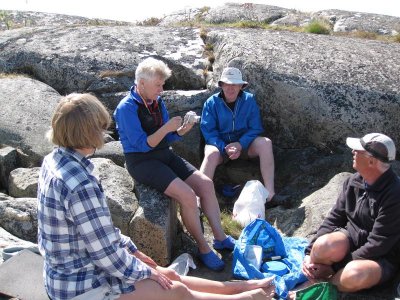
253	119
209	126
104	244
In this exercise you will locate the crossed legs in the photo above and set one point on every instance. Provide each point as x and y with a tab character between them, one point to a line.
355	276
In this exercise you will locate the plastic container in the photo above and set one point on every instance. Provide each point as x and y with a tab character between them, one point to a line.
253	254
276	267
182	263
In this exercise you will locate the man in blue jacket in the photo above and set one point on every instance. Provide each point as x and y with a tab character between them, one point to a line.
231	126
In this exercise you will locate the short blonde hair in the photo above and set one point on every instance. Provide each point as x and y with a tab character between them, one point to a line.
79	122
151	68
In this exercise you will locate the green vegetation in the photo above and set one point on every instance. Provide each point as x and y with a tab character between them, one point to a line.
229	225
6	19
150	22
318	27
396	38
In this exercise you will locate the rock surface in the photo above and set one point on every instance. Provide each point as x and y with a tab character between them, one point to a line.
154	225
26	109
23	182
315	90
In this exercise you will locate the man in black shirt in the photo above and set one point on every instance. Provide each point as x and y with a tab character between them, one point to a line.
358	244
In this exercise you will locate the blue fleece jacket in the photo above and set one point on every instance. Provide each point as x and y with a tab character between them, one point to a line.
221	126
131	134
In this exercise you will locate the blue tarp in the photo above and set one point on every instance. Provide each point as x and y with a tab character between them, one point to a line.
291	249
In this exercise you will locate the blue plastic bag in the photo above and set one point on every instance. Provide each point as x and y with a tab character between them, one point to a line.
291	250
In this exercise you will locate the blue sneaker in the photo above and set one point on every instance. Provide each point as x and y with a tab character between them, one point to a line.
212	261
228	243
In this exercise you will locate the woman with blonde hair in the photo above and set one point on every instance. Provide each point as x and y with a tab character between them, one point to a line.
85	256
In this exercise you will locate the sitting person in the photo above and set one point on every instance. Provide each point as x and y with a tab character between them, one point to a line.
231	126
146	132
358	244
85	256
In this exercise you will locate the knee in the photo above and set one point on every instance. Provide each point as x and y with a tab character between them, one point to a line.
180	290
354	278
261	144
322	248
212	155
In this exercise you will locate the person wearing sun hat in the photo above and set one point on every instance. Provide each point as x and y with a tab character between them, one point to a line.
231	127
358	243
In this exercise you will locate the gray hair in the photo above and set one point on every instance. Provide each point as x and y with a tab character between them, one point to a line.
151	68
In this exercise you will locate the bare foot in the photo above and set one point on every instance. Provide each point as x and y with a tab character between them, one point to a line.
261	283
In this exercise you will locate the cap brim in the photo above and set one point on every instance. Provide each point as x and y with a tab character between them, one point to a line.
244	83
354	143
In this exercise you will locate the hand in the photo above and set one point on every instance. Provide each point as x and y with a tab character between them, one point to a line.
146	259
233	150
161	279
173	124
170	273
316	271
185	128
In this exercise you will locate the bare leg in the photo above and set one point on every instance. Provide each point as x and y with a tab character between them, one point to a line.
330	248
204	188
226	287
151	290
357	275
186	197
262	147
212	158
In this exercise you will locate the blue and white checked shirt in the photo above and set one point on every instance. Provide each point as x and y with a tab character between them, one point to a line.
81	247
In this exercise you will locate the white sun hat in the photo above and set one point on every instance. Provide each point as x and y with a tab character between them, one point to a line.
232	76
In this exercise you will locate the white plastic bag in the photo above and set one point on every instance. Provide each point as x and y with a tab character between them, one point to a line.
182	263
251	203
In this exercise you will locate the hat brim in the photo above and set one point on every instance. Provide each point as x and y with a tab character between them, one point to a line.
243	83
354	143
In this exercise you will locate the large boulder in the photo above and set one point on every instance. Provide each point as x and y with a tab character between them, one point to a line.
305	220
27	106
235	12
19	216
102	59
154	225
23	182
118	188
347	21
315	90
8	162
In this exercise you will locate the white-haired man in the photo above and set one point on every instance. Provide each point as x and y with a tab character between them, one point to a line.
358	244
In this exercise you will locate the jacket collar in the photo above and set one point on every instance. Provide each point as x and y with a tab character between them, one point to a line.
379	184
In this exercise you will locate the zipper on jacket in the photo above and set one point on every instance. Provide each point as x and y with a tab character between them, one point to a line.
233	115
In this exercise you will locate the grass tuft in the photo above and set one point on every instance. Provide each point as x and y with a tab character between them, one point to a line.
230	226
318	27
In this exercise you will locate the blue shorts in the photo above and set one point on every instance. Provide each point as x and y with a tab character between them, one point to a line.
158	168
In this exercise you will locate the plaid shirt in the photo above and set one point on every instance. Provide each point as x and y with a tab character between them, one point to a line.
81	247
